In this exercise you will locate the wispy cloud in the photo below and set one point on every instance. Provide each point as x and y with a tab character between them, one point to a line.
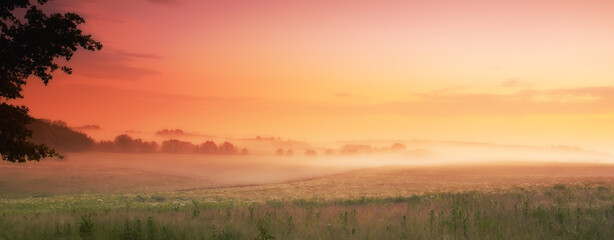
592	100
134	55
166	2
87	127
112	64
348	95
514	83
179	133
601	91
91	10
446	90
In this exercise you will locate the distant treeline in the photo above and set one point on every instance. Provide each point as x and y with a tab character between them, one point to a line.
360	148
57	135
347	149
125	143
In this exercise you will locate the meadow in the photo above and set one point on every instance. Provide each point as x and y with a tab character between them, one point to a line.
554	212
118	197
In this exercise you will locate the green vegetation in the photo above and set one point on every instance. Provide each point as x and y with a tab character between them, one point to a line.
555	212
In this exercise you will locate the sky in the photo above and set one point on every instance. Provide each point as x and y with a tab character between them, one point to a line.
515	72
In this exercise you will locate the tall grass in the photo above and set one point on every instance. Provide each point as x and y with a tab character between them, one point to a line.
556	212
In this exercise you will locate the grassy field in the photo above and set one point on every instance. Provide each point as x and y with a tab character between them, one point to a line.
236	198
265	177
583	211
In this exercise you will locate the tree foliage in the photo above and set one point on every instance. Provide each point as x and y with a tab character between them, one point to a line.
30	45
58	136
126	144
14	145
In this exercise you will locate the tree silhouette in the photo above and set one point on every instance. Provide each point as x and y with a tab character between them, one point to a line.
208	147
280	151
178	146
57	135
29	45
125	143
227	148
310	152
398	147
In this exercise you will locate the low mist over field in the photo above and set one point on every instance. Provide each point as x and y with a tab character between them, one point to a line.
126	163
112	172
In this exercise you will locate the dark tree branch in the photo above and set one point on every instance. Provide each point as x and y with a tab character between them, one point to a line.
30	48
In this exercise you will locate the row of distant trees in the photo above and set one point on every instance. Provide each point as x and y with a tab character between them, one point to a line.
362	148
57	135
348	149
127	144
290	152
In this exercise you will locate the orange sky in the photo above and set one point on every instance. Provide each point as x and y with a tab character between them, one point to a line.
524	71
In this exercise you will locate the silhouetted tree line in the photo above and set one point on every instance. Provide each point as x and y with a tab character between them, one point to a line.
359	149
259	138
170	132
57	135
310	152
208	147
280	152
347	149
126	144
